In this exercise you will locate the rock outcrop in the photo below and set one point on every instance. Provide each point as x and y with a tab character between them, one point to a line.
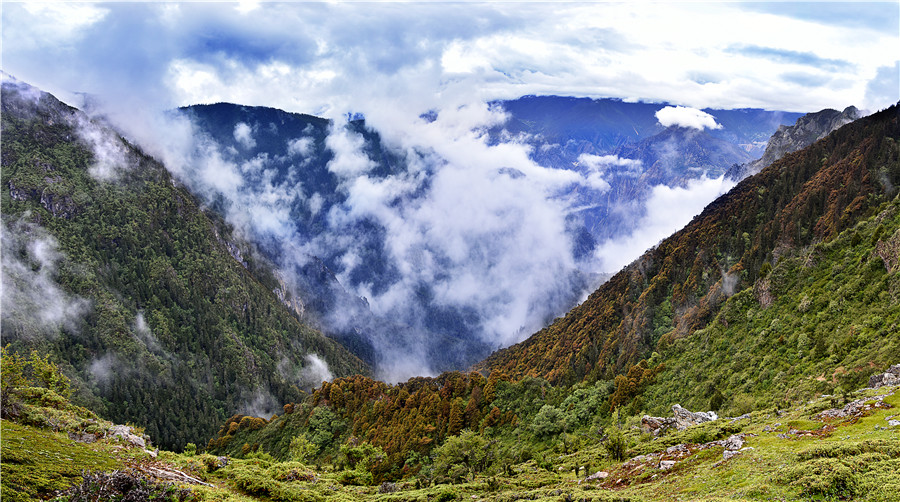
788	139
889	377
128	435
681	420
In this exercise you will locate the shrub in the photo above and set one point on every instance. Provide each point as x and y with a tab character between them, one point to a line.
301	449
125	485
357	477
549	421
824	476
446	495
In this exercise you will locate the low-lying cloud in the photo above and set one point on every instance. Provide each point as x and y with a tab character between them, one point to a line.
682	116
243	134
315	371
668	209
111	157
33	303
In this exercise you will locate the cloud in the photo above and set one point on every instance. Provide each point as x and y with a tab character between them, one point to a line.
682	116
314	372
243	134
259	402
143	333
33	303
667	210
349	161
597	165
334	58
110	155
884	89
791	57
302	146
102	369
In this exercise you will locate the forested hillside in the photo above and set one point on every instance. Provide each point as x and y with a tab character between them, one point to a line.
159	315
813	313
679	286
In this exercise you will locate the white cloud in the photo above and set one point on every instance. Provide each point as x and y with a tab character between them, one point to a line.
667	210
302	146
349	161
110	155
31	297
243	134
683	116
315	371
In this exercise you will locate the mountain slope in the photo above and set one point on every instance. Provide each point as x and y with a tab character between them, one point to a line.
676	288
159	315
808	129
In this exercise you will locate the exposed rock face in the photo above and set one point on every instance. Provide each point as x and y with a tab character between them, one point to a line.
597	475
127	434
889	377
857	408
656	425
733	443
685	418
888	250
682	420
787	139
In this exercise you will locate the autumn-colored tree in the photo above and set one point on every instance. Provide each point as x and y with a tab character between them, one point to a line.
336	396
457	417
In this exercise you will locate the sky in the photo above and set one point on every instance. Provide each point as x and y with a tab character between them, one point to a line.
486	240
333	58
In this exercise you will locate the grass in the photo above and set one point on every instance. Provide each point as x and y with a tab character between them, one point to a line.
36	462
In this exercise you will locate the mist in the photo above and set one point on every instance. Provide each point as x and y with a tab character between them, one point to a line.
33	304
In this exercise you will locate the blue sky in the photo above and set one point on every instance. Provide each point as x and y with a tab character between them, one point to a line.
331	58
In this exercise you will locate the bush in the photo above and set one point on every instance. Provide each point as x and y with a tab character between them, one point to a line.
357	477
615	443
301	449
549	421
824	476
446	495
125	485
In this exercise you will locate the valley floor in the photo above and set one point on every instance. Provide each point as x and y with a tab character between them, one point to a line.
826	449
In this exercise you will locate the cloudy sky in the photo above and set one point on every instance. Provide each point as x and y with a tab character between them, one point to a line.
335	57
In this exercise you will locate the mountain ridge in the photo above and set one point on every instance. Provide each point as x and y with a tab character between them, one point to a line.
614	327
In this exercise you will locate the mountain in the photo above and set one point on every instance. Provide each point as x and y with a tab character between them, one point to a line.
323	181
626	145
807	130
780	291
584	125
297	159
773	308
154	308
679	286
